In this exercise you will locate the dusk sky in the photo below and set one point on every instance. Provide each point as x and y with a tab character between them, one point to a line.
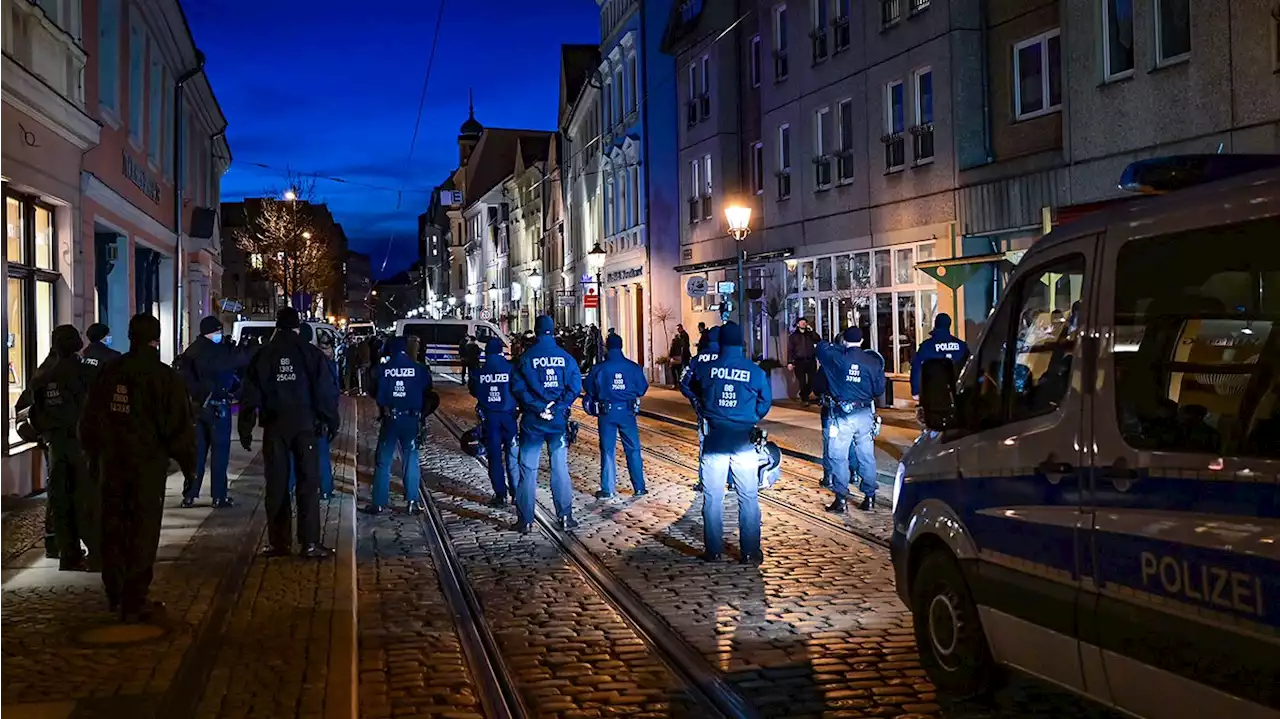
331	88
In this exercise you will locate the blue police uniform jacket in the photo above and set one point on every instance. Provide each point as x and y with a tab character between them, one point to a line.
733	391
491	385
941	344
689	375
852	374
548	377
402	384
616	383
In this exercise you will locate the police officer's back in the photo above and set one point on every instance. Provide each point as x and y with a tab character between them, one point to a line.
708	351
58	394
98	352
546	384
287	390
496	404
208	367
402	389
940	345
138	417
613	391
855	378
735	396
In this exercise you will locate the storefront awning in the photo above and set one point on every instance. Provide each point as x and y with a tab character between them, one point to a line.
759	257
956	271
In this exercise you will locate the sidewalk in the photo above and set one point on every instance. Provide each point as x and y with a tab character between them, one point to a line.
244	636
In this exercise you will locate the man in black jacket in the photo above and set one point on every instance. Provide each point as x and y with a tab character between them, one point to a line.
97	353
289	390
137	418
208	367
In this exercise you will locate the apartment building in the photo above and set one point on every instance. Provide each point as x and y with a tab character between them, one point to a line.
526	194
580	124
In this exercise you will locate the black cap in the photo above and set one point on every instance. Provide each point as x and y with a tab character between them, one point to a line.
209	325
97	332
66	340
287	318
305	332
143	329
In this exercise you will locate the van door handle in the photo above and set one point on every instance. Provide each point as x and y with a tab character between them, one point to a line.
1055	471
1120	476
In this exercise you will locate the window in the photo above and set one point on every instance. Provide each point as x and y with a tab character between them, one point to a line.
784	161
695	190
635	193
922	131
1024	364
30	251
1195	352
844	153
155	110
919	6
167	131
1275	44
109	54
706	189
1173	31
691	107
633	70
1117	38
1037	66
608	207
895	125
757	168
624	202
780	67
821	150
755	61
606	107
706	86
137	69
840	25
890	12
819	33
618	91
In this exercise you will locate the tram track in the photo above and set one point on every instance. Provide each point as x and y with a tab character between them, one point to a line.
705	684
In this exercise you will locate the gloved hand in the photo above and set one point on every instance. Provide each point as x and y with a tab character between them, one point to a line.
330	433
246	441
545	414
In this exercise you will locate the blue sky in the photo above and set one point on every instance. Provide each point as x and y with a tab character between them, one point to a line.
333	90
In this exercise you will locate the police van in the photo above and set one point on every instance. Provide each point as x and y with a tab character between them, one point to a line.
439	340
257	332
1096	498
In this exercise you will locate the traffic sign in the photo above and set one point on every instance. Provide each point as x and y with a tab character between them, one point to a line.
486	315
696	286
725	287
591	299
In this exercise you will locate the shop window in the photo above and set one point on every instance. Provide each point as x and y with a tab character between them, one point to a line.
30	295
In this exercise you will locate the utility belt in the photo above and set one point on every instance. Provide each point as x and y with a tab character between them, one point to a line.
846	406
633	406
220	407
400	413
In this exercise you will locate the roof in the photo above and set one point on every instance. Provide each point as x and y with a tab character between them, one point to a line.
494	158
533	149
577	64
681	24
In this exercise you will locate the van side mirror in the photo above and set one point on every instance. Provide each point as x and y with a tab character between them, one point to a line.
938	394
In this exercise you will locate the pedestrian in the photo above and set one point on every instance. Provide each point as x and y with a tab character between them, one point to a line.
402	388
288	390
137	418
364	360
470	357
98	352
702	337
496	405
546	384
679	353
855	378
940	345
323	444
22	413
613	391
801	359
734	396
324	460
696	373
57	395
209	368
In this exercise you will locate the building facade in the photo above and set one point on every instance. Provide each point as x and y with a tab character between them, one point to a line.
580	123
526	193
637	169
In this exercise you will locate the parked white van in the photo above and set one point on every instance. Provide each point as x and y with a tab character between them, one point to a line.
1096	500
259	331
440	338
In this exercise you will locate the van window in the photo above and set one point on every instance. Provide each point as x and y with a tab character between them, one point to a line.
1196	359
437	334
325	337
1023	367
256	335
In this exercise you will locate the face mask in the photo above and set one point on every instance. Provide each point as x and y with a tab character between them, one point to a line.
216	339
107	340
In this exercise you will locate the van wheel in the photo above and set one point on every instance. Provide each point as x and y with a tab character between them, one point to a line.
953	649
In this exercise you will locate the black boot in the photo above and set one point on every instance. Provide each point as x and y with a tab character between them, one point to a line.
498	502
868	503
838	506
567	522
224	503
150	611
709	557
601	494
524	527
373	508
316	551
754	560
414	507
825	483
277	550
187	503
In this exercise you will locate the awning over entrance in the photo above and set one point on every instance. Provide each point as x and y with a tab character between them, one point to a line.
956	271
757	258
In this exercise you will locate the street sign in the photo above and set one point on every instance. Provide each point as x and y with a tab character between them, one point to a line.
591	300
696	286
486	315
725	288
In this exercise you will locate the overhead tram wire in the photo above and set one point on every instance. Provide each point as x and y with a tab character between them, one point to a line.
417	122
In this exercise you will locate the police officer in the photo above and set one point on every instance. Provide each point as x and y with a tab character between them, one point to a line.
324	458
402	387
734	396
58	393
709	352
546	384
98	352
137	418
941	344
286	389
613	391
209	369
855	377
496	405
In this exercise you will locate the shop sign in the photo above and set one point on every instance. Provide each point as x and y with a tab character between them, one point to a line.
138	175
591	300
623	275
696	286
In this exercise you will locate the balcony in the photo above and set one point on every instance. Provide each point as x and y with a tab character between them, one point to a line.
780	66
844	166
819	39
840	34
704	101
922	142
894	151
822	172
784	184
691	113
706	206
890	12
695	210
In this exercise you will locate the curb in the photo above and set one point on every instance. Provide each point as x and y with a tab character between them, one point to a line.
342	693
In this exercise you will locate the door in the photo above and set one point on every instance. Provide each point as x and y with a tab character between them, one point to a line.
1186	529
1018	455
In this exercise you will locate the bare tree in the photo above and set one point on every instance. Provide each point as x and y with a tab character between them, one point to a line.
287	244
853	283
663	314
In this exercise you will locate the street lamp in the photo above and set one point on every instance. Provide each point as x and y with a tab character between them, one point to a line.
306	235
739	219
290	195
595	263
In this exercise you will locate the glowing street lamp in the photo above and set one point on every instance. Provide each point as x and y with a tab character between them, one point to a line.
306	235
290	195
595	259
739	219
535	280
